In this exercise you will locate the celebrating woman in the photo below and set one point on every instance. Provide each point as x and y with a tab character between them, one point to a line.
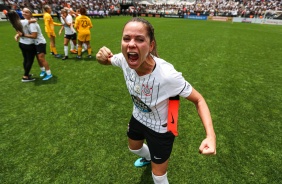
26	45
154	86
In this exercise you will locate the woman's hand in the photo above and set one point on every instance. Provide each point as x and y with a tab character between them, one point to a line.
208	146
104	56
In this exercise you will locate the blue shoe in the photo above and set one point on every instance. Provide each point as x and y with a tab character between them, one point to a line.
42	73
78	57
47	77
140	162
58	56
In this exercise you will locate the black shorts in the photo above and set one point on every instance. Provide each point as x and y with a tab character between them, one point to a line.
71	37
160	144
41	48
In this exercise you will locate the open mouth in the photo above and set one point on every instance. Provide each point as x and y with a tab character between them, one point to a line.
132	57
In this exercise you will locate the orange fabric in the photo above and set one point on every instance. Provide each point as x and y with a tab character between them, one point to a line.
172	119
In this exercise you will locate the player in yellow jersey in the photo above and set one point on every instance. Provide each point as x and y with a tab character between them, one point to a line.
49	29
83	25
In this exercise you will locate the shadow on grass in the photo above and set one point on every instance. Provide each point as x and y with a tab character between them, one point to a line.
146	177
84	59
39	81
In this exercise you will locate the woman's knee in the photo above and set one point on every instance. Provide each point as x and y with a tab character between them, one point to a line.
135	145
159	169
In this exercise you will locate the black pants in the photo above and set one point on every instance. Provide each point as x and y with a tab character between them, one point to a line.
29	52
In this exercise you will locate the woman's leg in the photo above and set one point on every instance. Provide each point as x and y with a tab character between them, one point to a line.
89	50
79	49
28	52
53	46
66	48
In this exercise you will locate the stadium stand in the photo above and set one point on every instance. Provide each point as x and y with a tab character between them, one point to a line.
102	8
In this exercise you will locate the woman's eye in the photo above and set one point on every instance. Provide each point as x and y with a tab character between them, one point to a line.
139	40
126	39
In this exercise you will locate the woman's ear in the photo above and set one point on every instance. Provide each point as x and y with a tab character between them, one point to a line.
152	46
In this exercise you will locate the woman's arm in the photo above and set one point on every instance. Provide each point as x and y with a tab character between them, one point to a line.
33	35
208	145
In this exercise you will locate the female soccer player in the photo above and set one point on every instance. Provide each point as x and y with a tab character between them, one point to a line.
83	25
70	33
49	29
40	44
26	45
151	82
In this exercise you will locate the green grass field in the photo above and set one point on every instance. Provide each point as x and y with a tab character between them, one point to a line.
72	129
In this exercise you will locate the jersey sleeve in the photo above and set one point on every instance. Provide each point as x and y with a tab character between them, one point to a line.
62	20
90	24
116	60
176	83
33	28
57	24
24	22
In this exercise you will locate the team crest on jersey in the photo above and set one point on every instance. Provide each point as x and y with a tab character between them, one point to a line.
146	90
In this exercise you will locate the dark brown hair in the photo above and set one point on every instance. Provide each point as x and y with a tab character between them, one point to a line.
150	32
82	11
15	20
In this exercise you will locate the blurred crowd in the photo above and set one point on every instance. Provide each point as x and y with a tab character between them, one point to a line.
232	8
208	7
36	6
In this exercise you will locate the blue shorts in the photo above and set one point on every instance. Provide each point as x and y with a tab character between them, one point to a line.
160	144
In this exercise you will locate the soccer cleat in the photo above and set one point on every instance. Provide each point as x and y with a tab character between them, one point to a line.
42	73
52	53
140	162
65	57
78	57
89	56
57	55
73	51
29	79
47	77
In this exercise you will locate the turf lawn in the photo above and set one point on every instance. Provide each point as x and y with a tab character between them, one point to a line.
72	129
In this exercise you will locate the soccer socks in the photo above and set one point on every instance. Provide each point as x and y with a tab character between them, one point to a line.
160	179
143	152
79	51
72	45
89	51
48	72
54	50
42	69
84	46
66	50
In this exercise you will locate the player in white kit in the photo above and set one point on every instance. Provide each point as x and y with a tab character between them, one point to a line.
154	85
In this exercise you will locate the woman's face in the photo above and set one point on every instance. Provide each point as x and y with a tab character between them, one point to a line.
48	10
64	13
26	13
136	45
